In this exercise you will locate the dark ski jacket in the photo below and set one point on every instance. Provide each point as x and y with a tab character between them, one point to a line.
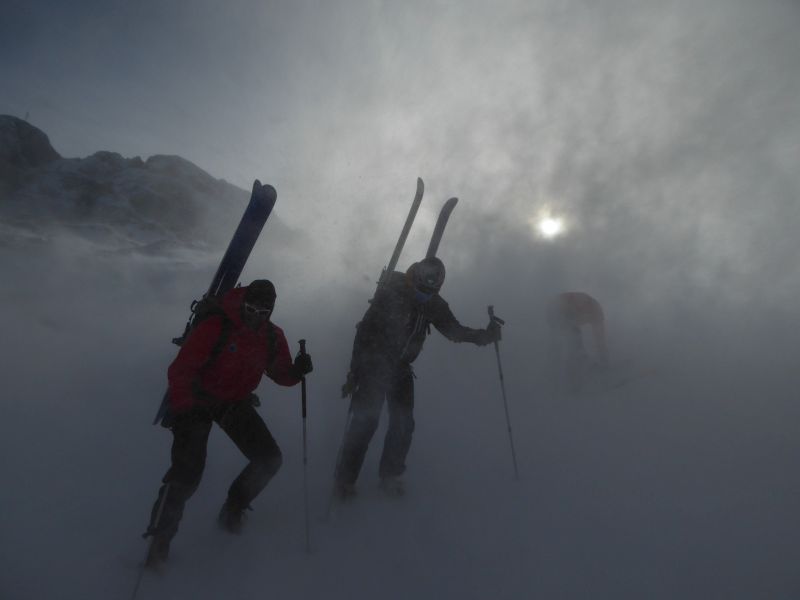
395	326
197	378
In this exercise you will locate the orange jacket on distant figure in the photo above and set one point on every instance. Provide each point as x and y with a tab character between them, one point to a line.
575	309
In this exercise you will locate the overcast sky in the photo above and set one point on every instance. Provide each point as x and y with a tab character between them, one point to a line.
666	135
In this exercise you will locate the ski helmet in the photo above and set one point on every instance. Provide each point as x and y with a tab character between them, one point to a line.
427	275
261	292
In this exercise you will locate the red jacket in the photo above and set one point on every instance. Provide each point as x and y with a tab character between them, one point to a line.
575	309
236	371
578	308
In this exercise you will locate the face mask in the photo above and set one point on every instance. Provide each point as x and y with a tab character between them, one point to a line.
421	297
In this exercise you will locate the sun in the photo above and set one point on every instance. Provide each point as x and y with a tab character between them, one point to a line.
549	223
550	227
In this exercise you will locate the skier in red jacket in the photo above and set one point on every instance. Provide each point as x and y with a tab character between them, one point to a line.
567	313
212	381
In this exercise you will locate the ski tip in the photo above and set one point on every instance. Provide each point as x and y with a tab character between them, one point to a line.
420	185
448	207
264	192
270	192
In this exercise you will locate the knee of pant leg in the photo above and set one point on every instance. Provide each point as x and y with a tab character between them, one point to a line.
188	464
185	476
365	422
406	424
177	490
270	461
276	461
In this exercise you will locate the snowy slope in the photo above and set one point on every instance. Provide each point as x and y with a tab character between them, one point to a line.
680	486
673	487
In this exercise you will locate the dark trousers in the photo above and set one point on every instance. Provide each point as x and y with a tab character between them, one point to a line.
396	387
190	432
568	357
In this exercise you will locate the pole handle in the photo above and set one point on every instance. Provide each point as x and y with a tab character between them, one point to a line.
493	317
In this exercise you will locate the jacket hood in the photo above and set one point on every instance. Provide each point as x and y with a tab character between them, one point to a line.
232	304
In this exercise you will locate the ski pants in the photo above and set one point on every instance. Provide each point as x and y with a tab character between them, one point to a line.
567	354
396	386
190	433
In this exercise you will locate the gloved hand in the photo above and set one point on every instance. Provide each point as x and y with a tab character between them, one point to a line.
494	331
302	364
491	334
350	385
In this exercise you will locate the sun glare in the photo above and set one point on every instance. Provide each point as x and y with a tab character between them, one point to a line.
550	227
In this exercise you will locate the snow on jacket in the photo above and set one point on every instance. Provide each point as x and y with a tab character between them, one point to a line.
395	326
237	370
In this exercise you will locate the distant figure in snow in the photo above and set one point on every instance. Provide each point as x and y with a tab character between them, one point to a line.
388	339
567	314
212	381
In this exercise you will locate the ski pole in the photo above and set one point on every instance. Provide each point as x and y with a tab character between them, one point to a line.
495	319
305	451
159	512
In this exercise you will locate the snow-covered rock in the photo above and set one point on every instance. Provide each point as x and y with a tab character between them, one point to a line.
22	147
117	203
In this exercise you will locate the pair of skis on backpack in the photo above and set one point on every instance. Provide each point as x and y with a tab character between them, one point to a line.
262	201
438	231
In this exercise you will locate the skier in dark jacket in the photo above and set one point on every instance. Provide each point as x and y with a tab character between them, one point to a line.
388	339
212	381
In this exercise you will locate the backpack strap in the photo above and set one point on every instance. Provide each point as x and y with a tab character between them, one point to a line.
216	350
272	344
222	341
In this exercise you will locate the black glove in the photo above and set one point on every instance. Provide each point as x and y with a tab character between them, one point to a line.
350	385
302	364
488	335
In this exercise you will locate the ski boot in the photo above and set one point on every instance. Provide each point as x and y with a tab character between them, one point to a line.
158	552
231	517
344	492
392	486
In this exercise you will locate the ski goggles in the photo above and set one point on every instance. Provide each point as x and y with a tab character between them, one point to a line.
257	311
